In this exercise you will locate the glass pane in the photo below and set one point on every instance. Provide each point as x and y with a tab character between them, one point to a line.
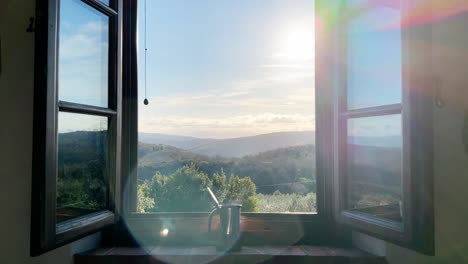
104	1
83	54
82	165
374	54
234	110
375	165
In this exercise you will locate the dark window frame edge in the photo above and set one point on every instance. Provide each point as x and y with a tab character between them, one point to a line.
44	236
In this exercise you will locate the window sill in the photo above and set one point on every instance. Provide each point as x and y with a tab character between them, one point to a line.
191	229
269	254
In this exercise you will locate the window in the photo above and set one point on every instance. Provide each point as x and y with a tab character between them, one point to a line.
240	119
241	122
382	120
76	119
368	166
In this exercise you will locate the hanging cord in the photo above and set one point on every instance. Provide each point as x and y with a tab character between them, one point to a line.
146	102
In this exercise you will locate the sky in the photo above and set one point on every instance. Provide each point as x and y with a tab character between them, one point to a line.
83	54
223	69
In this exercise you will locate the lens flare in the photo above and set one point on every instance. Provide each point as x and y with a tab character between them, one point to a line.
414	13
164	232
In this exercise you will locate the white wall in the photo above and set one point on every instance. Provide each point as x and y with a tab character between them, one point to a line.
16	119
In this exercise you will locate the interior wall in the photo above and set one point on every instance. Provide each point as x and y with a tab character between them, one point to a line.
16	121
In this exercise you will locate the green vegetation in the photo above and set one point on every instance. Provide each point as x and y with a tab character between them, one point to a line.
82	163
281	180
278	202
172	179
288	170
185	191
366	199
145	203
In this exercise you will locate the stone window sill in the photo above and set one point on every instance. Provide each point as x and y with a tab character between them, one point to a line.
265	254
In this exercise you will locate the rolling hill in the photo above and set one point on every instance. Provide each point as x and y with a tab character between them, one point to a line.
268	159
289	170
233	147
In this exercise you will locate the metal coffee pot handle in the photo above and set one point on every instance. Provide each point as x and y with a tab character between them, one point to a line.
210	217
216	209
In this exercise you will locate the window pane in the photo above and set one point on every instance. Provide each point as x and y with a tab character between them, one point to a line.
83	54
82	165
374	54
105	1
375	165
235	109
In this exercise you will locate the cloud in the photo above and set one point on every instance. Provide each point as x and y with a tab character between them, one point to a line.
239	125
94	27
69	122
287	66
379	126
83	63
260	100
272	102
279	97
85	42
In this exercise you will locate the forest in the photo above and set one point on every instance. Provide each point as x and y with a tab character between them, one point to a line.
285	177
171	179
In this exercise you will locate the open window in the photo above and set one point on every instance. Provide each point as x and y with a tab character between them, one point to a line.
234	110
361	83
76	121
379	76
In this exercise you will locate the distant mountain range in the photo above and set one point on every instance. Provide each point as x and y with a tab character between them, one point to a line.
252	145
384	142
233	147
182	142
277	161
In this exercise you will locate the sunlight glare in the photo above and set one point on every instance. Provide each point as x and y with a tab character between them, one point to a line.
299	44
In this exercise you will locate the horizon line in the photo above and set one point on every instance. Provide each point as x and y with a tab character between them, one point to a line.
221	138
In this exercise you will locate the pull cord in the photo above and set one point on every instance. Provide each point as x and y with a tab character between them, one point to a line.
146	102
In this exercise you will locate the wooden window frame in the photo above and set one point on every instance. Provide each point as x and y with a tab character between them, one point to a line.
46	234
417	229
317	228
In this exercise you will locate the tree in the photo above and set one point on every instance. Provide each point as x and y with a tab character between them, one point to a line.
237	190
185	191
145	202
182	191
242	190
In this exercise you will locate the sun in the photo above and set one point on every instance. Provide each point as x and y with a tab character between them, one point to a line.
298	43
